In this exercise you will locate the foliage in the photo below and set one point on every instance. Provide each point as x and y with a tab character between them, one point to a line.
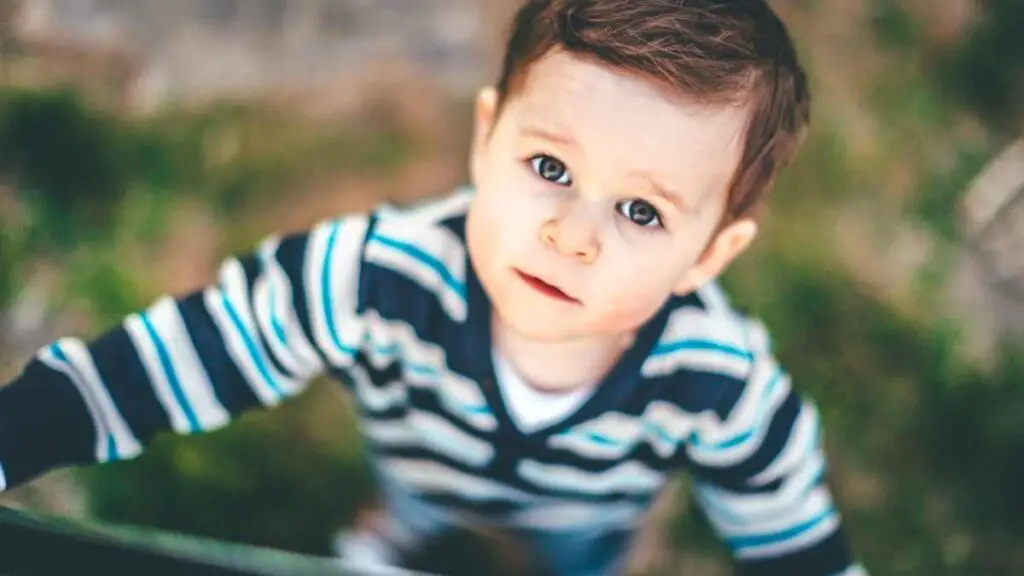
985	68
63	160
286	478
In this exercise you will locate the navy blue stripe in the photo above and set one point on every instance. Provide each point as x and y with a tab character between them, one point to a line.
830	556
431	262
427	400
696	391
253	269
112	453
514	482
171	374
395	296
128	384
291	255
44	406
493	510
641	452
779	431
229	386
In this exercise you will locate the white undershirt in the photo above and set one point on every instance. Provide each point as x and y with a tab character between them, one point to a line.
532	409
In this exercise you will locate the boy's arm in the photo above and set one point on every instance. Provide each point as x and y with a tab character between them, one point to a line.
271	323
760	478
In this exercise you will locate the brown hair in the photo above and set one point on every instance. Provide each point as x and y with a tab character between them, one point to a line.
717	52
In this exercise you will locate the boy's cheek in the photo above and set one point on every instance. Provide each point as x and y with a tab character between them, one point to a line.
622	312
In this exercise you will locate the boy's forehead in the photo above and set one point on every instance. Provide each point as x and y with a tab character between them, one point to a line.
629	121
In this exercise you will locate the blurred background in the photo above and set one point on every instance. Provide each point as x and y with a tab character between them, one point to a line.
141	141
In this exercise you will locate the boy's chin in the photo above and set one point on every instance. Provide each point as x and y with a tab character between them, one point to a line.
556	328
538	328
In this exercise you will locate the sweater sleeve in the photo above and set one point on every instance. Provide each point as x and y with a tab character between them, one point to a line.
760	477
274	319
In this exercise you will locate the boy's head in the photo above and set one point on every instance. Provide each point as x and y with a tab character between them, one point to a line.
623	153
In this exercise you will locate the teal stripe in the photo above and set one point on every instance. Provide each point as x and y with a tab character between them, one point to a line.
172	376
670	347
741	542
112	453
758	418
58	352
250	346
433	263
275	323
325	289
722	506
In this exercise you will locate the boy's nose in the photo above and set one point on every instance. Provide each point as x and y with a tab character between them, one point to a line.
571	239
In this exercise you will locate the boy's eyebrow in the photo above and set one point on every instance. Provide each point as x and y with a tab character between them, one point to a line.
556	137
668	194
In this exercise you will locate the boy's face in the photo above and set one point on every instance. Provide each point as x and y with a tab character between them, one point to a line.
596	198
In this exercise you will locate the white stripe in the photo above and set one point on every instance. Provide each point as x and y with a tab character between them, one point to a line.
425	366
234	286
100	451
439	435
789	493
299	346
3	478
431	210
803	440
420	428
691	323
630	476
373	397
343	286
814	504
236	348
616	435
766	387
806	539
714	298
146	350
675	423
165	317
388	432
574	516
128	446
433	477
711	361
442	247
706	451
264	308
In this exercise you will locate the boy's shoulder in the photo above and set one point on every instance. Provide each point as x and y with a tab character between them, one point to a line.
705	335
435	211
419	250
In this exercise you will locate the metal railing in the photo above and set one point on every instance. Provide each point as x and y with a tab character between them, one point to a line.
35	544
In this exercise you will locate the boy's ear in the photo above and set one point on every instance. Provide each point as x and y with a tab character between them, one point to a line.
730	242
484	114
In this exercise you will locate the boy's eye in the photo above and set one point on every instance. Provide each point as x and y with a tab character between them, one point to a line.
640	212
551	169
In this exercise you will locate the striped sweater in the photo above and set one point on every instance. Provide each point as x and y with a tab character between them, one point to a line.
388	303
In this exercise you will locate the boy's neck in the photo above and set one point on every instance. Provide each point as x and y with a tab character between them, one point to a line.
559	366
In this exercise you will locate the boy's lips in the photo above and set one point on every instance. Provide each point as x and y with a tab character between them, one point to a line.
543	287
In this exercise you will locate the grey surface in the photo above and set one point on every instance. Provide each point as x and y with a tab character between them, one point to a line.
204	553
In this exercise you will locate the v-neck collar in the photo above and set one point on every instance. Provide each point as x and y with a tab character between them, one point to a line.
618	383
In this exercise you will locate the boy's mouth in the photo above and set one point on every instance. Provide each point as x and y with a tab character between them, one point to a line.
543	287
